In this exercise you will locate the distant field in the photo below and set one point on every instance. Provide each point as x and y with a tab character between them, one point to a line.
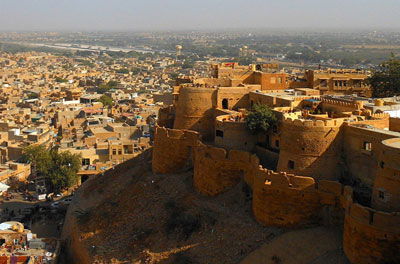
382	47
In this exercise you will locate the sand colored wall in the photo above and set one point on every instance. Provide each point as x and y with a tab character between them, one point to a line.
237	97
380	121
172	149
216	170
312	147
271	81
235	134
394	124
339	105
361	165
386	190
371	236
166	117
276	203
223	82
195	110
286	200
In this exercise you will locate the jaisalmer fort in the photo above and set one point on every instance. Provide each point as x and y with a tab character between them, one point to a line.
329	160
199	132
325	174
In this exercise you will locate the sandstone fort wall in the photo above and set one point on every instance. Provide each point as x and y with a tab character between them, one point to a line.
287	200
371	236
195	110
172	149
310	148
386	191
394	124
361	162
216	170
231	134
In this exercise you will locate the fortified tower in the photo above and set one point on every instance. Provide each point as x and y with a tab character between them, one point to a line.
386	190
311	148
195	110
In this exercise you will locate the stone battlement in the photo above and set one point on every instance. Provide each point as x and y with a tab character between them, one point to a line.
371	236
342	103
192	137
282	199
313	123
389	222
173	149
216	170
379	115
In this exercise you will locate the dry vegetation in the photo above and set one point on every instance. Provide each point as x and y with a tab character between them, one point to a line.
146	218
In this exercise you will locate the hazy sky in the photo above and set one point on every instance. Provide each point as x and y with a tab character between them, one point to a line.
196	14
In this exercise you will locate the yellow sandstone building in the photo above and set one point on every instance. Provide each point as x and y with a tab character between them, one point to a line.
330	160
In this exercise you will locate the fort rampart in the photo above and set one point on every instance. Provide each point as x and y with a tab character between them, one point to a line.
232	133
331	104
310	147
282	199
173	149
394	124
216	170
371	236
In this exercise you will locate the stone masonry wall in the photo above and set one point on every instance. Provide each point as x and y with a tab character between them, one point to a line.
394	124
285	200
216	170
371	236
281	199
311	148
173	149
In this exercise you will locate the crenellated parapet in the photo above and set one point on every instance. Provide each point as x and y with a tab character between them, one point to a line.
216	170
342	104
371	236
172	149
287	200
310	147
308	123
379	116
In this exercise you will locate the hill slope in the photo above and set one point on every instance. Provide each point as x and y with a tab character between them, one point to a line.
130	215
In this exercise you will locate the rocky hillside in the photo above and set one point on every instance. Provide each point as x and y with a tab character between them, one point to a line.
130	215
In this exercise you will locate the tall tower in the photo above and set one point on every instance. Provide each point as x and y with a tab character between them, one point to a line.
178	50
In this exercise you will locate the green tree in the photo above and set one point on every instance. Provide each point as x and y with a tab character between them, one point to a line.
260	119
385	81
106	100
122	71
61	80
39	157
103	88
65	167
60	168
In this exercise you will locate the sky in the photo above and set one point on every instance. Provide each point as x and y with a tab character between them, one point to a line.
138	15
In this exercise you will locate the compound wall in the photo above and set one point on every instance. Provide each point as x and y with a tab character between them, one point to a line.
285	200
386	190
231	134
166	117
216	170
172	149
371	236
311	148
394	124
361	163
235	97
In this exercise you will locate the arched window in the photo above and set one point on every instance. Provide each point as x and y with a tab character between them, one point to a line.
225	103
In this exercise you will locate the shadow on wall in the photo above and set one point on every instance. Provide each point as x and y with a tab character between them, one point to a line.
311	148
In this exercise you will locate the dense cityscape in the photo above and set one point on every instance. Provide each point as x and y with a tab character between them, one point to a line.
243	145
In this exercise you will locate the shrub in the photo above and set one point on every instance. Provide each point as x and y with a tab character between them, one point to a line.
260	119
